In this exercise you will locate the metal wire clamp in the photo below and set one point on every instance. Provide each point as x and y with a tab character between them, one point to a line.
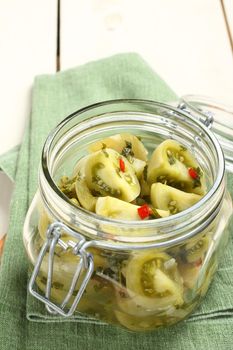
85	263
206	117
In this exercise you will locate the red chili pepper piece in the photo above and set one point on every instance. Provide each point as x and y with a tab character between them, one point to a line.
144	211
193	173
122	165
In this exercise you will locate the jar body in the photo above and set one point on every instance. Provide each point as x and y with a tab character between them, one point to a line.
140	288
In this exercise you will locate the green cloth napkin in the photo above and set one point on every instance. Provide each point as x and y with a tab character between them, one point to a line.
8	162
54	97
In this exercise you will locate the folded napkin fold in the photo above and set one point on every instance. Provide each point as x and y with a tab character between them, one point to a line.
8	162
55	97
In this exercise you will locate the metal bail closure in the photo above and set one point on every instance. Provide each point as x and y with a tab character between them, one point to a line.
85	263
216	116
204	116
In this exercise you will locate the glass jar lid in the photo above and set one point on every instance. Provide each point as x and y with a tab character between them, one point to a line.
216	116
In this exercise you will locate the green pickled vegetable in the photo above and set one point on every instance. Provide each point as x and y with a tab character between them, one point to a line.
140	290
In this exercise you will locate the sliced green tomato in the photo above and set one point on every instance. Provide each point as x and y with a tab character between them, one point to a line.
137	323
85	197
79	169
99	259
127	304
64	268
105	176
169	198
123	144
189	273
116	209
151	321
196	248
170	164
153	281
97	294
66	263
163	213
137	164
58	294
75	202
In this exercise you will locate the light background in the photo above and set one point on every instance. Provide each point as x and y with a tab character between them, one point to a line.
187	42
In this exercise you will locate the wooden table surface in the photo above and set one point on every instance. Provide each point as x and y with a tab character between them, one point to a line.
189	43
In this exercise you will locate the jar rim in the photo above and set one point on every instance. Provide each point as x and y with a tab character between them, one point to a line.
156	223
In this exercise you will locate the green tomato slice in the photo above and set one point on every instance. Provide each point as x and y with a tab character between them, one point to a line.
85	197
170	164
189	273
137	323
169	198
83	193
116	209
104	175
196	248
153	280
126	144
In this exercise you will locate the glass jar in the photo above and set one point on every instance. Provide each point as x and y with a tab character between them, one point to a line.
137	274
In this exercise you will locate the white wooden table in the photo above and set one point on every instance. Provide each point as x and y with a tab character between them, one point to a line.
189	43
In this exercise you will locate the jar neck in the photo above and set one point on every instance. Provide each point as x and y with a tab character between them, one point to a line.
163	231
72	136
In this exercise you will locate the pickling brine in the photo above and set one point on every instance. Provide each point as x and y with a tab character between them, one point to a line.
163	224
